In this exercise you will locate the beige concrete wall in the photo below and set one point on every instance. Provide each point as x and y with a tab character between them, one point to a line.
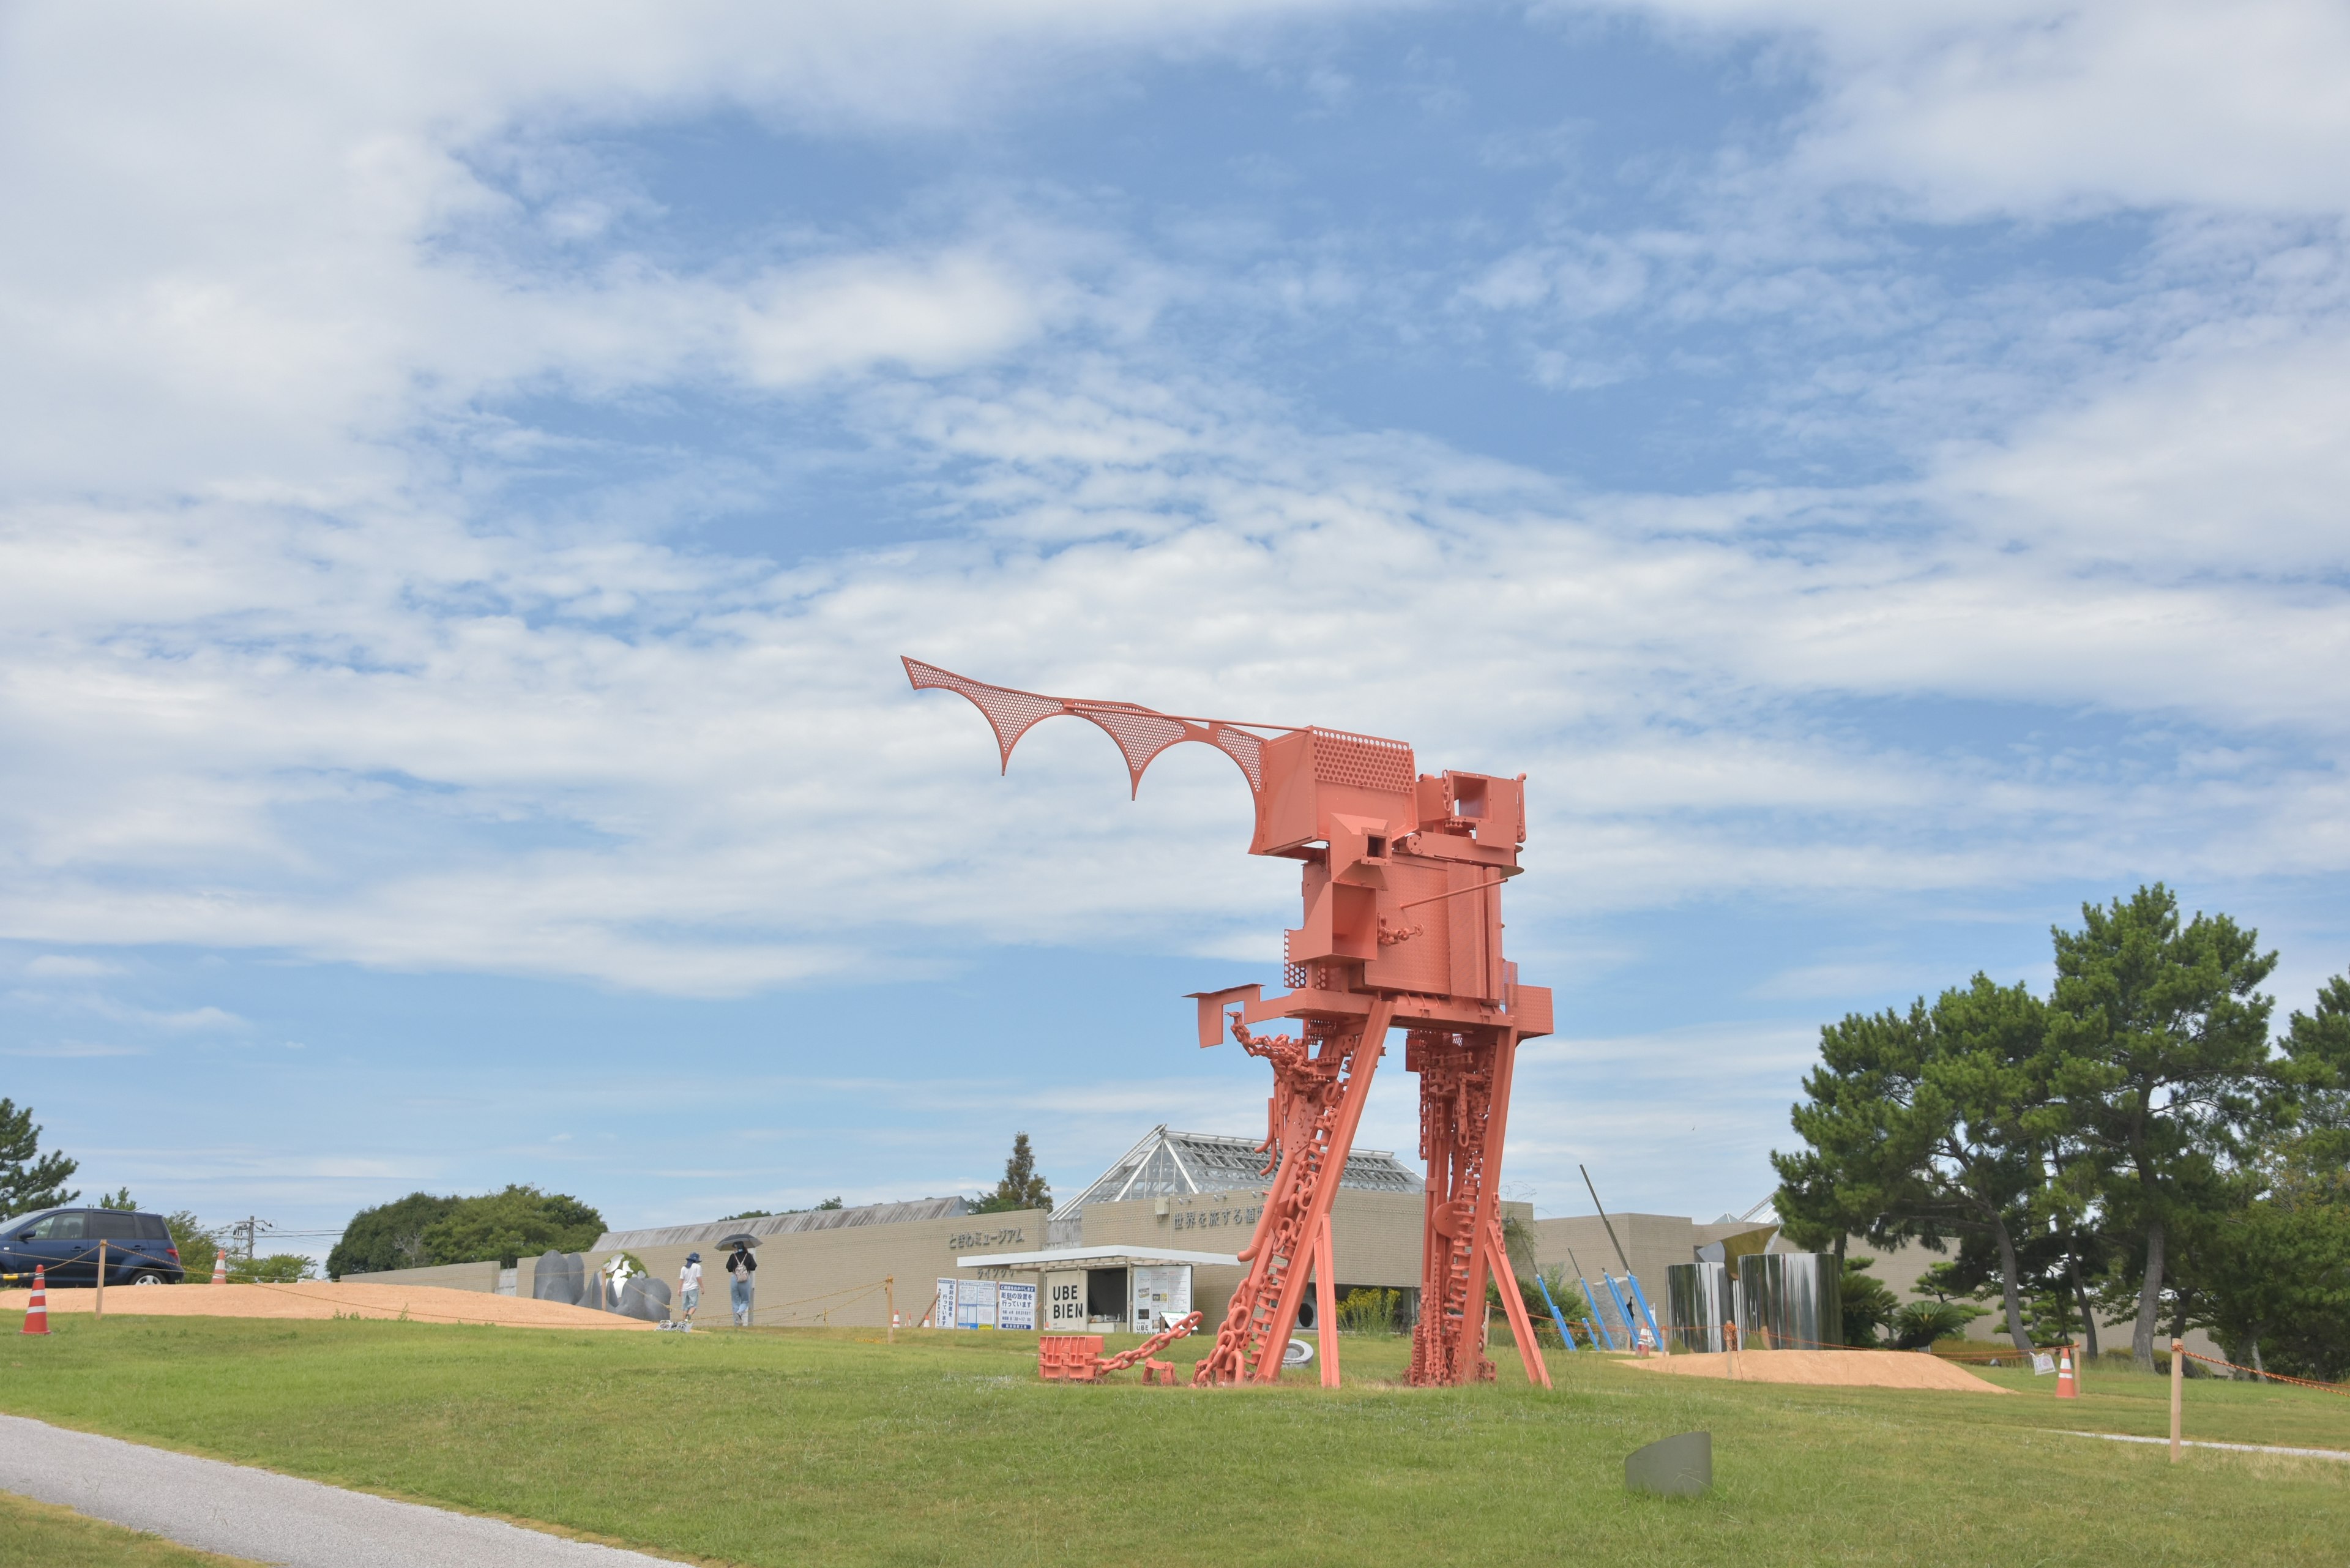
1650	1241
481	1277
1375	1237
808	1276
833	1277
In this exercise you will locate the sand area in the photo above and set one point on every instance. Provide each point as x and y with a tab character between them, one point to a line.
319	1298
1835	1368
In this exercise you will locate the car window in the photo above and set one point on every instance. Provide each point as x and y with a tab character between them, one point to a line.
151	1226
58	1228
114	1225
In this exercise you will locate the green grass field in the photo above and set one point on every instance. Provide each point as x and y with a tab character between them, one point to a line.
34	1532
796	1445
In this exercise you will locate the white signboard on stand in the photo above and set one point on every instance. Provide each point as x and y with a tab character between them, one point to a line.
1065	1301
943	1315
1016	1306
1157	1293
974	1303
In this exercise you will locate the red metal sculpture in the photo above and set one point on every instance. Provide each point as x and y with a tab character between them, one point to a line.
1402	929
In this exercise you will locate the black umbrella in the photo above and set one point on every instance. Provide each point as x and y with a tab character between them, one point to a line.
740	1239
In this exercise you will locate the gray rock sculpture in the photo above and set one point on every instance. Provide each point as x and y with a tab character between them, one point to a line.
644	1298
558	1277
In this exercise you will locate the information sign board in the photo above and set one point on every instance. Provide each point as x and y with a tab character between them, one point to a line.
974	1303
1157	1293
1016	1306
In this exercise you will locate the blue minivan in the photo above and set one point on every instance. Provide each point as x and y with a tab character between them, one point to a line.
65	1241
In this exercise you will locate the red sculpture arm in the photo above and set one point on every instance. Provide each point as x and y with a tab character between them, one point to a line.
1141	733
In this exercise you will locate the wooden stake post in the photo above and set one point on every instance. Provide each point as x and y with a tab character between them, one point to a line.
889	1300
2178	1382
98	1307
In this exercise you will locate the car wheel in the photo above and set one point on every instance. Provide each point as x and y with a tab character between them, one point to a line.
146	1279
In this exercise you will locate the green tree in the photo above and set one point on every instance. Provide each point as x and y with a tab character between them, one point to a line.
198	1245
1021	1188
1868	1306
1921	1326
29	1179
278	1268
2160	1036
388	1236
506	1226
1924	1124
119	1199
2278	1271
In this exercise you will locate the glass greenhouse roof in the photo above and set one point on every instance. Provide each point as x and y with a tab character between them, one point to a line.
1168	1164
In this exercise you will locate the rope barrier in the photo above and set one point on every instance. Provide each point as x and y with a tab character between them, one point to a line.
2271	1377
1756	1340
861	1292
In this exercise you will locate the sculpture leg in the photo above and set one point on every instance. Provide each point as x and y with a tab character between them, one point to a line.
1464	1095
1325	1306
1323	1100
1513	1306
1324	1160
1499	1052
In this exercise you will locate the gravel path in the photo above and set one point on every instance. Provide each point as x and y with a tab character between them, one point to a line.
266	1517
325	1299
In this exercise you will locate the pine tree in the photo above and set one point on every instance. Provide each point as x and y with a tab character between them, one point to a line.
29	1179
2161	1035
1021	1188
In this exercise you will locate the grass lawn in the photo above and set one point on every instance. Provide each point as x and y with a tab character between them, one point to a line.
796	1445
34	1532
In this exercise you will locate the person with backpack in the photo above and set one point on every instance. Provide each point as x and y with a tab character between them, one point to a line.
741	1267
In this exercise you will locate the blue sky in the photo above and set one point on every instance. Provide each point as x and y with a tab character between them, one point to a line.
464	481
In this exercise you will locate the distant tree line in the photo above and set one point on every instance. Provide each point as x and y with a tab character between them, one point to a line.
2139	1144
421	1229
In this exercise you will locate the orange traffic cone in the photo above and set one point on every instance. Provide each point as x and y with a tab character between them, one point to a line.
2068	1386
37	1311
220	1268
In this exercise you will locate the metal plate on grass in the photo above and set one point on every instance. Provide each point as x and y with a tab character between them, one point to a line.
1673	1466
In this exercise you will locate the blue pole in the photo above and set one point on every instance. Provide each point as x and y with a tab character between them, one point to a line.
1634	1281
1556	1315
1598	1318
1631	1334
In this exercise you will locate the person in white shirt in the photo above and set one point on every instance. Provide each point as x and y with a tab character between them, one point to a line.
688	1284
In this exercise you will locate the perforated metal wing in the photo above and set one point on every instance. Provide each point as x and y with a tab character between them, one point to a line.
1141	733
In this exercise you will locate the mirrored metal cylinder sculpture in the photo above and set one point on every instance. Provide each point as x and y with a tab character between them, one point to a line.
1790	1301
1698	1305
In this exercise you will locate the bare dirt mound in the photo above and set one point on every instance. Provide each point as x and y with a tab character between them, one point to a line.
318	1298
1836	1368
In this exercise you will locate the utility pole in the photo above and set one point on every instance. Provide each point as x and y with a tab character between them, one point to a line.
250	1229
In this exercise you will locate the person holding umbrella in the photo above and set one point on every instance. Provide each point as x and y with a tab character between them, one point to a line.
740	1266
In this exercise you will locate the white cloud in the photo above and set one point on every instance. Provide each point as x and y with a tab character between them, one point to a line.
67	966
593	801
274	677
1979	109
